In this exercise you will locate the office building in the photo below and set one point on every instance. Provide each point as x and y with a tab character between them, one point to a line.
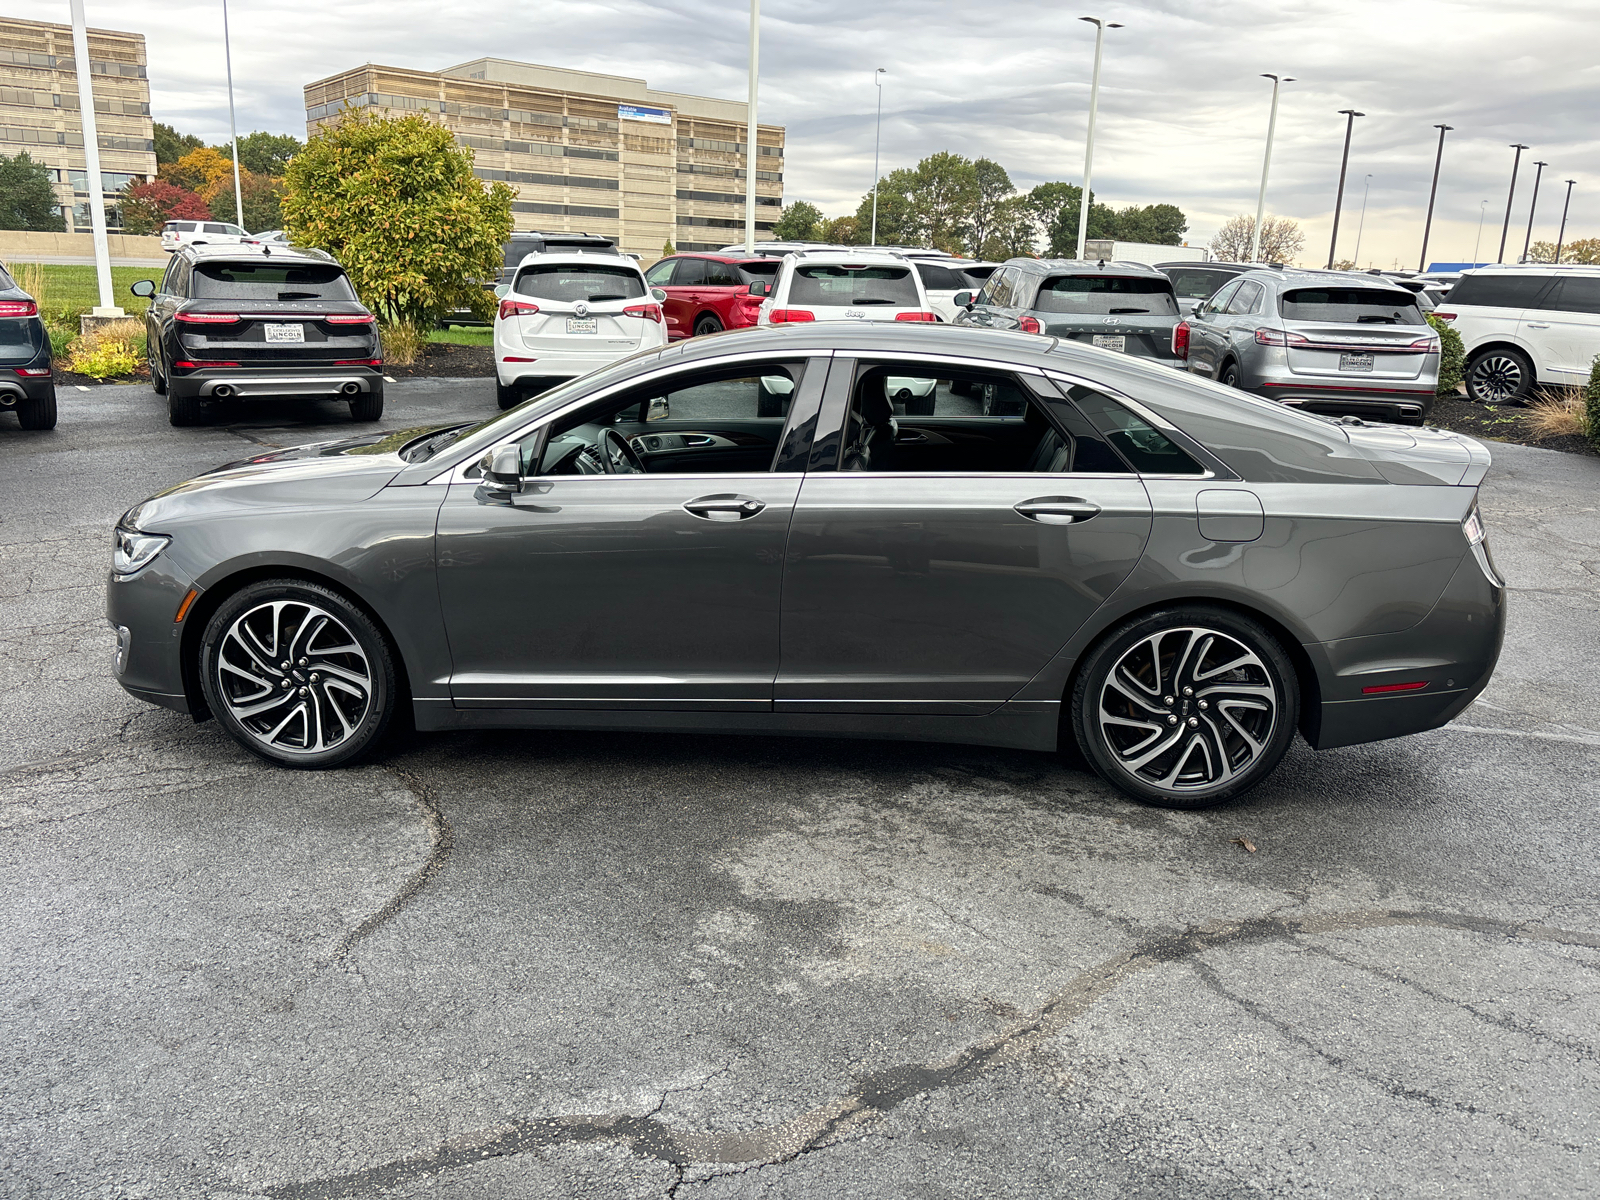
598	153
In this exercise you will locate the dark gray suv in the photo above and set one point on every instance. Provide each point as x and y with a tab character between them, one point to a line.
1171	575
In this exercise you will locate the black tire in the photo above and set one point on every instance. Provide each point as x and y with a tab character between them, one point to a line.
506	397
1229	375
368	406
183	410
158	375
327	717
920	406
38	412
1501	376
707	324
1157	744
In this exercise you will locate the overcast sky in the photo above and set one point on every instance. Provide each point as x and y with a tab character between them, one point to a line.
1183	112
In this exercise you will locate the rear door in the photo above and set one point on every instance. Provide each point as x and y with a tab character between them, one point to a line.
682	296
1565	329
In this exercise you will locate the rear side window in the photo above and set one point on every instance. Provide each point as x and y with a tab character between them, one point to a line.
1105	295
941	279
1351	306
691	272
286	281
180	226
1494	290
1147	449
1196	285
1575	293
761	269
1246	298
720	274
6	282
571	282
849	286
211	228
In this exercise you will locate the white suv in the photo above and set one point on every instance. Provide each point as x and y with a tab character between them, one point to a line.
1525	326
200	233
845	285
565	314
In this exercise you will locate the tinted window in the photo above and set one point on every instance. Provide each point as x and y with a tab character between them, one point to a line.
180	226
766	268
1575	293
979	275
719	274
6	282
1495	290
1194	284
1246	298
571	282
853	286
285	281
516	251
941	279
210	228
1149	450
1100	295
661	273
1351	306
691	272
997	291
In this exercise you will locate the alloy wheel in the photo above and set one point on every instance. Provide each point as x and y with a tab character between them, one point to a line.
1188	709
1497	378
294	677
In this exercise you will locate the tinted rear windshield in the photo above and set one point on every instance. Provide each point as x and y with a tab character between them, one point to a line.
1351	306
180	226
250	281
571	282
761	268
1194	284
852	286
1104	295
516	251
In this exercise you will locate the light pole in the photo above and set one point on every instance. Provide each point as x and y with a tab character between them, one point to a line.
1350	115
1506	228
1266	164
233	129
877	140
1100	28
1562	236
750	148
1427	228
1533	206
91	161
1361	224
1483	207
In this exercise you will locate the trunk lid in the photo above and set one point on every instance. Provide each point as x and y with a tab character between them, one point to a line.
268	333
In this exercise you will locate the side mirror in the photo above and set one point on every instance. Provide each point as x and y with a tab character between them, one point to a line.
144	287
963	300
658	410
659	295
760	288
502	290
502	474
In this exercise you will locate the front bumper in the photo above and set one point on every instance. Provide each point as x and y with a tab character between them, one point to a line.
141	609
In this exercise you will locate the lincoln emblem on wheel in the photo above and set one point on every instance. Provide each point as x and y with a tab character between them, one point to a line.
850	529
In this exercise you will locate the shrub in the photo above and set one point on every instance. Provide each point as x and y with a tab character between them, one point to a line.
110	352
1592	403
1452	357
1558	413
403	342
668	249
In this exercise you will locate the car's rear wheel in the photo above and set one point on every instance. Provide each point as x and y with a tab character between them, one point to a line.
1499	377
297	674
707	324
1186	707
38	412
1229	376
368	406
506	397
183	410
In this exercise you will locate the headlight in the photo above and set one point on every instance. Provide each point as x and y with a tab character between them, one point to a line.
132	551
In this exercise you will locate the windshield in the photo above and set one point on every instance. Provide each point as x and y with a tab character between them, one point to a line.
1106	295
263	281
842	285
1351	306
1197	285
572	282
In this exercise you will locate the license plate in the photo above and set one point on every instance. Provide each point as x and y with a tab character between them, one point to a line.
285	333
580	325
1355	362
1111	341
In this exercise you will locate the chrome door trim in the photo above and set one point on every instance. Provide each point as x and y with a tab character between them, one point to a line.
947	360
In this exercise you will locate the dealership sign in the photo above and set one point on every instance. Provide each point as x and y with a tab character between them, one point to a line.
635	112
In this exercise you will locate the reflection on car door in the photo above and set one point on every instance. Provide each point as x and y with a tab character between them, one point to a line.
1564	330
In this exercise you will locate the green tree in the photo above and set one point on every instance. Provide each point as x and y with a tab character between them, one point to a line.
265	153
172	145
262	195
1046	202
1452	357
842	231
26	200
1012	234
799	223
896	224
394	199
668	249
1157	224
931	204
992	206
1063	232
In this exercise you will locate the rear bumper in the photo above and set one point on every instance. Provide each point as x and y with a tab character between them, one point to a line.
248	382
1402	400
15	387
562	364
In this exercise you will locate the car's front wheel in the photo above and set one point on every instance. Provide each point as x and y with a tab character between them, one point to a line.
297	674
1186	707
1499	377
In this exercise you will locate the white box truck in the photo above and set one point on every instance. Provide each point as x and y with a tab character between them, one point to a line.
1103	249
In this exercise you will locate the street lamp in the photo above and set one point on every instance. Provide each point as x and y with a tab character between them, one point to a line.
877	138
1427	228
750	148
1350	115
91	162
1483	207
1532	207
1266	163
1362	224
1506	228
233	129
1562	236
1100	28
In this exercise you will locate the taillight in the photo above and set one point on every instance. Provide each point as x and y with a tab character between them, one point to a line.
1028	324
358	362
1472	527
1280	337
1380	689
1180	340
352	319
516	308
200	366
33	372
205	318
915	316
782	316
18	308
1427	345
650	312
1444	316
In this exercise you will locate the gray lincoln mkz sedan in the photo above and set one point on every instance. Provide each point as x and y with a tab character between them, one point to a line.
1171	574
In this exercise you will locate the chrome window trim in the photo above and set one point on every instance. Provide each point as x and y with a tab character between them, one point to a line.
1138	408
949	360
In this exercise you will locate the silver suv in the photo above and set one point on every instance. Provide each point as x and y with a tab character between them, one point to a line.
1321	341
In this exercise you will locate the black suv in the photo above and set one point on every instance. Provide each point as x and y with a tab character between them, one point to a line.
244	321
26	386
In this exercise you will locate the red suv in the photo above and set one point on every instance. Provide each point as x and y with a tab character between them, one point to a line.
709	292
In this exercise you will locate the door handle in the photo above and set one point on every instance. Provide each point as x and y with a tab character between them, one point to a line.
910	437
1057	510
1538	325
723	507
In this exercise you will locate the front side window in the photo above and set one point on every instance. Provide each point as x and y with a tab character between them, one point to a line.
569	283
274	281
1351	306
1574	294
849	286
1106	295
661	274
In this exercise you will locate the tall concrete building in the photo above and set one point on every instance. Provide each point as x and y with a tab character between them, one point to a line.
599	153
39	110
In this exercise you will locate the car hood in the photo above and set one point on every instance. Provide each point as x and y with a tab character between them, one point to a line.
1402	454
348	470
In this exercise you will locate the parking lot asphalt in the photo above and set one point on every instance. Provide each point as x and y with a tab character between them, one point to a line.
543	965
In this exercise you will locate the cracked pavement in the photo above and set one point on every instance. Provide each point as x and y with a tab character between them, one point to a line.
514	965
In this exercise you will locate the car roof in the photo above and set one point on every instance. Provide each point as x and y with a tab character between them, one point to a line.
1236	268
1531	268
871	254
1073	266
577	257
211	251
